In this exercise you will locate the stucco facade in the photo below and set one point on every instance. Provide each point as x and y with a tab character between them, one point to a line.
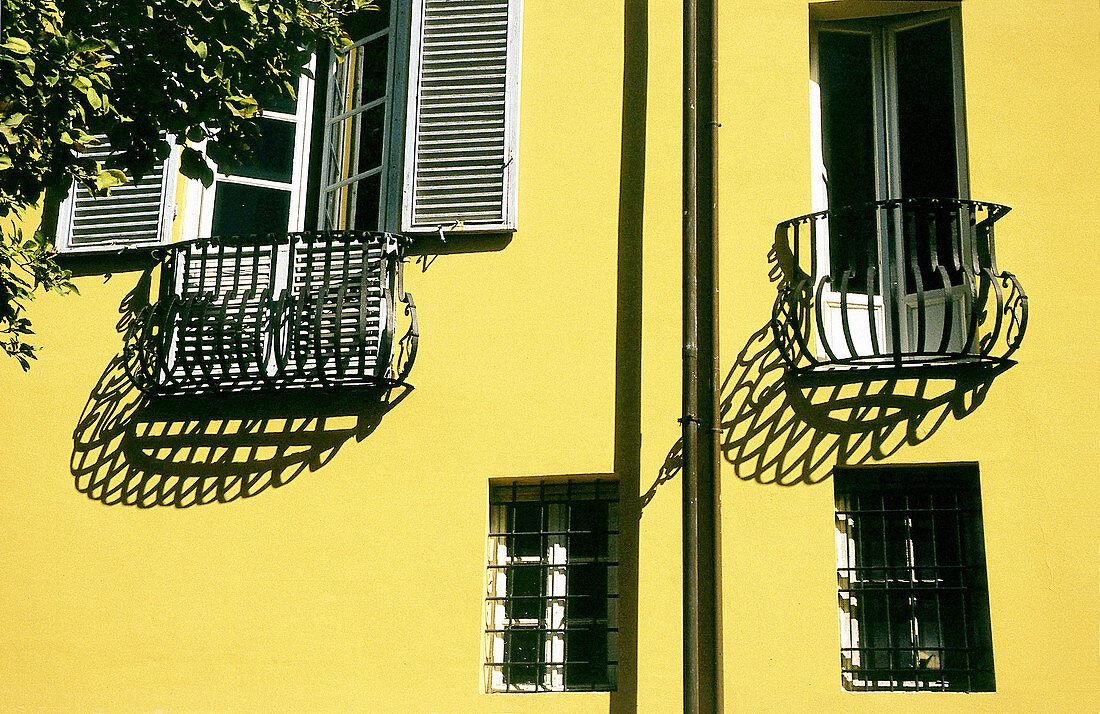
342	564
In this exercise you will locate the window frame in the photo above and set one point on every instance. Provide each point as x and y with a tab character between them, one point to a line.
865	498
203	197
551	670
397	74
882	29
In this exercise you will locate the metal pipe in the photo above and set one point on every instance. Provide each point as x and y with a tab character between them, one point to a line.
711	610
690	419
701	416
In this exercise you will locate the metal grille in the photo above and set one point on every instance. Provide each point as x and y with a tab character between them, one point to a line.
273	313
551	620
914	606
917	287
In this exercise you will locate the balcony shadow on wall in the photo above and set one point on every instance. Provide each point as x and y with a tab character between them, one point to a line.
131	450
777	430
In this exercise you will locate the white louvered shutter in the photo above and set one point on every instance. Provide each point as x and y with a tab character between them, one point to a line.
135	214
462	125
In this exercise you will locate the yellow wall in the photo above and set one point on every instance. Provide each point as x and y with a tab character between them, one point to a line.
1031	71
358	584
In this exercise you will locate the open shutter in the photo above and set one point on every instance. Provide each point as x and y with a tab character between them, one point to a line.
135	214
462	127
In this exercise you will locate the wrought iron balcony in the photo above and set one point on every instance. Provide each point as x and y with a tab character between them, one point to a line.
896	284
273	313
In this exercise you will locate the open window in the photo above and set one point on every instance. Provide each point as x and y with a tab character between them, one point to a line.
891	169
410	129
895	268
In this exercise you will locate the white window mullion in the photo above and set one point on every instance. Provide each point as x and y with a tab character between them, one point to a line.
498	589
302	133
556	582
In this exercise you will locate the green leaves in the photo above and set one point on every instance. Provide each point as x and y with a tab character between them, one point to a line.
16	46
242	106
108	178
136	71
26	266
193	165
199	48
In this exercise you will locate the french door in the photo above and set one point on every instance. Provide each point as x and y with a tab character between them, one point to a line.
889	121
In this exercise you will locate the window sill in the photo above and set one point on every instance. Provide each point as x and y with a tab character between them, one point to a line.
105	260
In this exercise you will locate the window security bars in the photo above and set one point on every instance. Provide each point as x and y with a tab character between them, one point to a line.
274	312
551	608
913	600
903	282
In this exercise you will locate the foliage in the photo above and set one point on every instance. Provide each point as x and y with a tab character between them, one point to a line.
26	266
135	71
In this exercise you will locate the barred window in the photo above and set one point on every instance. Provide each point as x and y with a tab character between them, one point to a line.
914	605
551	615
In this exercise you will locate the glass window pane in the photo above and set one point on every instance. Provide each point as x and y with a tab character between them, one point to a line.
521	647
374	56
848	147
587	591
874	635
240	209
368	129
587	530
274	153
285	105
366	194
928	625
525	521
586	657
926	112
525	590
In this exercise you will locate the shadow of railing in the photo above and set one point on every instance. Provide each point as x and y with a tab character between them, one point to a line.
181	451
780	429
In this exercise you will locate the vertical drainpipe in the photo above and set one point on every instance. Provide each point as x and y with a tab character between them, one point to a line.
701	368
710	416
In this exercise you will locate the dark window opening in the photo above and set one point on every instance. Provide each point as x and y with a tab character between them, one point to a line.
913	598
551	605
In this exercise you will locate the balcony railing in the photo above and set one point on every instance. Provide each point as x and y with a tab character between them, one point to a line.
274	313
896	284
